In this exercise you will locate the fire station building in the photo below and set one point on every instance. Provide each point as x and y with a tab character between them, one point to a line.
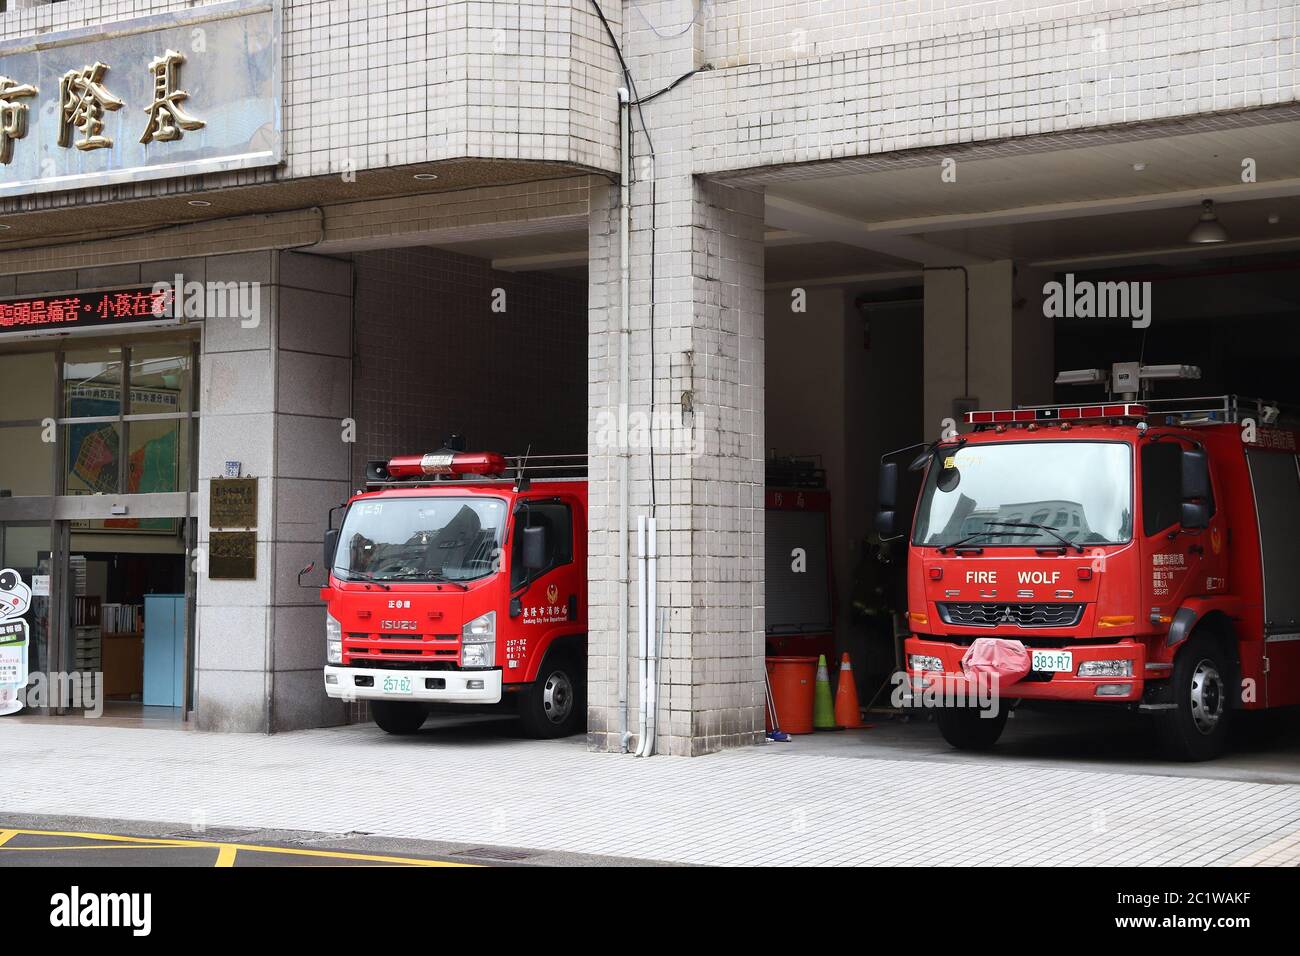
733	251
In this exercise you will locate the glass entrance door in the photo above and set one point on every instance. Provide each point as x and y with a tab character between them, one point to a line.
97	471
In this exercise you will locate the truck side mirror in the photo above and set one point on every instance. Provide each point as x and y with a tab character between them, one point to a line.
1195	514
534	548
888	487
331	545
1196	489
1196	474
886	515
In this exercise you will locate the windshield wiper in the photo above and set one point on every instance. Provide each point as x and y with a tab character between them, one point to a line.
1041	527
944	549
365	576
427	576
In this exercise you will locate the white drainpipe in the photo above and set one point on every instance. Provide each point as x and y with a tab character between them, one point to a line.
642	632
650	620
624	371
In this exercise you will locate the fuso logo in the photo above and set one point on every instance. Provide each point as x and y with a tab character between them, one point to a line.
552	593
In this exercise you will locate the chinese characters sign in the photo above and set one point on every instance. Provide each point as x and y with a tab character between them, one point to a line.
179	94
68	312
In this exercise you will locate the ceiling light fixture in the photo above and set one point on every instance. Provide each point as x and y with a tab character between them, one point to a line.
1138	167
5	225
1274	219
425	177
1208	227
199	202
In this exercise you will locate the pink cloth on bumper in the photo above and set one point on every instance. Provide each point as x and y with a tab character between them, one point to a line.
995	655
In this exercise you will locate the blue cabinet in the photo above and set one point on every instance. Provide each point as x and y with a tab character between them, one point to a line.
164	649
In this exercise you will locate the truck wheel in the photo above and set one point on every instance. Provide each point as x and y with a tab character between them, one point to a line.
965	729
555	705
397	717
1196	728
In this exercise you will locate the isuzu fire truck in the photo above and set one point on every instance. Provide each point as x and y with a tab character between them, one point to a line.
1145	554
451	582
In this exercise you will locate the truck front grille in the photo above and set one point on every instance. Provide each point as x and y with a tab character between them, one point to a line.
431	652
994	614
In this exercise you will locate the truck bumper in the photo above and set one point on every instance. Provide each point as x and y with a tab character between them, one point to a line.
379	683
1056	686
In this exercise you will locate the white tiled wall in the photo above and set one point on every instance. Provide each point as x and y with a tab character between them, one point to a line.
828	80
370	85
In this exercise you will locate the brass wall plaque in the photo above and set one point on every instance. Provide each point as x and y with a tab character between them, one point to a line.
232	556
232	503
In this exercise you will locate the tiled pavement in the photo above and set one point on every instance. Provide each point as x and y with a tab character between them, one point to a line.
737	807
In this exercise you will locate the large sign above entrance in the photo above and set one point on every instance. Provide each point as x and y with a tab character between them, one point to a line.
177	94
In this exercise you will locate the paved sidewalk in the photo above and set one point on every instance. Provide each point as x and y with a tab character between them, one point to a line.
756	805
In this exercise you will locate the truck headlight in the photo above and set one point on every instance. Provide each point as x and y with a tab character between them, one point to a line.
921	663
1106	669
333	640
478	641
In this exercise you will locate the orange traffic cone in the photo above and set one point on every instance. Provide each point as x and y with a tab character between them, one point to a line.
847	712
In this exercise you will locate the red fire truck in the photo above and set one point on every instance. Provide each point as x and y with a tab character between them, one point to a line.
452	582
1145	554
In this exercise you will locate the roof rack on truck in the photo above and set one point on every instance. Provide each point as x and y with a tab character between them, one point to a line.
461	467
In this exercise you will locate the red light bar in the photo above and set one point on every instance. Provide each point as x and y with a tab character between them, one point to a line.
1051	414
447	463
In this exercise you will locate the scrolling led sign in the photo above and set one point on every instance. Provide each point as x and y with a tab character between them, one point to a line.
82	310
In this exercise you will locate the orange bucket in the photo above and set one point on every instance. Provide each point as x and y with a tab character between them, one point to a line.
793	680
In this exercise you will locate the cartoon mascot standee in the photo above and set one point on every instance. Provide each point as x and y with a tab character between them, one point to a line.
15	599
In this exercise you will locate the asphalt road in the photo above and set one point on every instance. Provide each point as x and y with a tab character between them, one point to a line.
55	841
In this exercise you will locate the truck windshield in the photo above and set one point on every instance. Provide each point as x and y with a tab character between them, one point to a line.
414	539
1011	495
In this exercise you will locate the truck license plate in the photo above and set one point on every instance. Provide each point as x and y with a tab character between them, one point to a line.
1055	661
398	685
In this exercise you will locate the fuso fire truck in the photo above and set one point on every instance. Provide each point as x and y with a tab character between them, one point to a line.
452	582
1141	553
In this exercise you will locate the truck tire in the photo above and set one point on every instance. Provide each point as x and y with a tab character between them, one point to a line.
1196	727
965	729
555	705
398	717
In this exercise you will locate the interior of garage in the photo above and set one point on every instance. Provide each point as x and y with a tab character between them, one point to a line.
455	343
924	296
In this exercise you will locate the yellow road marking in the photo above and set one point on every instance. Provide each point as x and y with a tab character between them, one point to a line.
222	847
92	846
226	856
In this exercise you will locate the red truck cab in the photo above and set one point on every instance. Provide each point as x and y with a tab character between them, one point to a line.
1141	557
452	583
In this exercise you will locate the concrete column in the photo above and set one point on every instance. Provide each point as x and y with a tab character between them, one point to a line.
274	395
1001	355
708	458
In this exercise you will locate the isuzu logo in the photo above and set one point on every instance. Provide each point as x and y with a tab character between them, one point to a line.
397	625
